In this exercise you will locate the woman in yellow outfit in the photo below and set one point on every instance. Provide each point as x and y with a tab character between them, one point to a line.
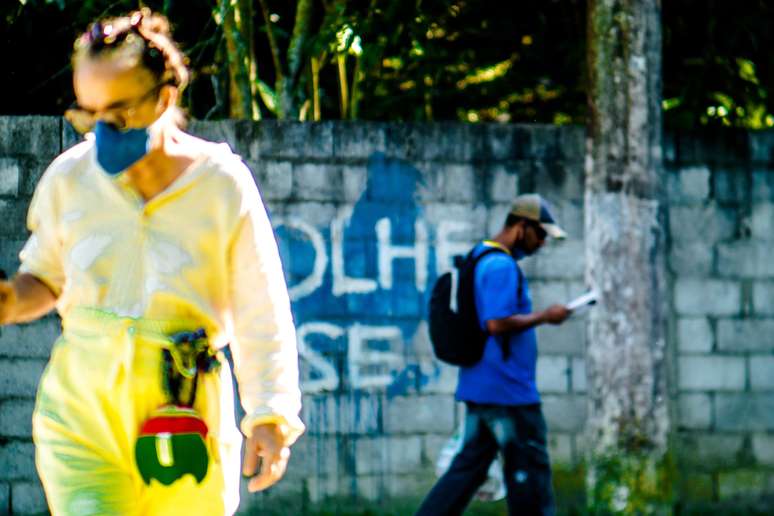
140	234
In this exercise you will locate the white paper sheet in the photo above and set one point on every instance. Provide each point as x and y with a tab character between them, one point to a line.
582	303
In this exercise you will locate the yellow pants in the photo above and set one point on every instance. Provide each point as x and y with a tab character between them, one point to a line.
103	380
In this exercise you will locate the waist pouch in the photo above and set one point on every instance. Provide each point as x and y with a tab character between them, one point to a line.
173	441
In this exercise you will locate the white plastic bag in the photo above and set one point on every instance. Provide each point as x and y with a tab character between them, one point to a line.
493	488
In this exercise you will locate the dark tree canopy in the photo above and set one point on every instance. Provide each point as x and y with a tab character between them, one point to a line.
468	60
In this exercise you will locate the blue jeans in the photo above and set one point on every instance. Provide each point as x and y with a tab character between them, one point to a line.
519	432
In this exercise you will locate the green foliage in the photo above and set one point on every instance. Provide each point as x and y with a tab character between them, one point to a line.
630	484
468	60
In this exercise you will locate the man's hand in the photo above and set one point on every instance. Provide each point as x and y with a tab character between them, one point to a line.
266	455
7	301
556	314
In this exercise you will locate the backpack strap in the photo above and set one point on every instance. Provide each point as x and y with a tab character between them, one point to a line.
504	347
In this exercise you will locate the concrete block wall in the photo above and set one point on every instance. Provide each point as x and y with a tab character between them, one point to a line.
367	215
721	215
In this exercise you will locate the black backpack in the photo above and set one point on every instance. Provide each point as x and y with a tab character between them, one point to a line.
455	332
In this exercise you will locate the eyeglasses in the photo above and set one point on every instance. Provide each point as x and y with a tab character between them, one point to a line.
117	114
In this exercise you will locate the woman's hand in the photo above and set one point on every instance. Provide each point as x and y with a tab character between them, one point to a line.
24	299
266	454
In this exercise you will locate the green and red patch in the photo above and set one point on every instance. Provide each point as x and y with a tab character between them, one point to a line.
172	443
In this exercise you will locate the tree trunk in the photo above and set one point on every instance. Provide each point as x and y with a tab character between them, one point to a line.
286	91
628	421
237	20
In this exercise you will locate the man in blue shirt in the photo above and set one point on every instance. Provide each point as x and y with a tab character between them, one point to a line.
499	391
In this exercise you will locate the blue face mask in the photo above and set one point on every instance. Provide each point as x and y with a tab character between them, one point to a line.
118	150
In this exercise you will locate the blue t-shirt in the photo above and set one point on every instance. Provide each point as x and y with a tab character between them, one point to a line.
493	380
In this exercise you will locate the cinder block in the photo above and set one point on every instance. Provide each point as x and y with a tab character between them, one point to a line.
240	135
694	335
689	258
504	185
745	334
570	217
276	180
702	451
320	488
317	182
567	338
763	185
18	461
572	142
427	183
564	413
350	413
359	140
472	221
762	221
432	445
763	297
30	135
32	169
442	378
579	380
458	183
503	142
354	180
10	174
558	181
497	213
711	372
545	293
763	449
560	448
542	141
697	487
553	373
451	142
14	217
9	255
695	411
19	377
409	488
317	214
28	498
707	224
731	186
762	372
761	146
30	340
559	259
419	414
736	484
314	455
745	259
707	297
16	418
744	412
695	183
388	454
289	140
